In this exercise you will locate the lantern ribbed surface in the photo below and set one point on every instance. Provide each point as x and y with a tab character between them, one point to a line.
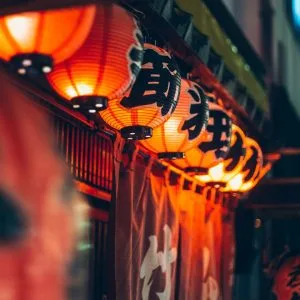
214	145
184	128
248	176
233	163
285	272
57	33
152	99
107	63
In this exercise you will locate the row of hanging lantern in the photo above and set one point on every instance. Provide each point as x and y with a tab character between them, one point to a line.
241	168
100	63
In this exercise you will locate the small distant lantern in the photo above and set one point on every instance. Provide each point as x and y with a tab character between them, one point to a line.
184	128
248	177
32	41
152	99
220	174
286	278
107	64
214	145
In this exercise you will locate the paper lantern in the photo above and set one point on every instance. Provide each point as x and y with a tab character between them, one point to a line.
214	145
184	128
106	65
151	100
38	211
248	177
31	41
220	174
286	284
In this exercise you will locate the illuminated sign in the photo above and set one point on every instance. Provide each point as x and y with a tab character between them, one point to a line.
293	14
296	13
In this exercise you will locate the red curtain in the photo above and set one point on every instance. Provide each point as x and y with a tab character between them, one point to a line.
146	231
212	251
228	255
149	210
192	215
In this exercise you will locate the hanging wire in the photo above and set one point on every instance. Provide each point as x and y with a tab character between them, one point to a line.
139	15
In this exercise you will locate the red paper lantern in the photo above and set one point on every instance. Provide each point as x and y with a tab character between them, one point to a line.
32	40
184	128
286	279
37	203
214	145
106	65
220	174
151	100
248	177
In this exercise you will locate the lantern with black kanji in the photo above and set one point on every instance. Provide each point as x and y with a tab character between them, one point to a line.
286	276
184	128
214	145
152	99
32	41
248	177
107	64
220	174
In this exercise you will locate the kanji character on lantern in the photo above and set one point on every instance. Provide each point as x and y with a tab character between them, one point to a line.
153	84
194	125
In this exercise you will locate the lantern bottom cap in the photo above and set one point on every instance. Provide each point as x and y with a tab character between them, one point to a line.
216	184
136	132
89	104
31	63
170	155
197	170
232	194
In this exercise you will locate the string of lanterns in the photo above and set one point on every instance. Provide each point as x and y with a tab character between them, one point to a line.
220	174
135	87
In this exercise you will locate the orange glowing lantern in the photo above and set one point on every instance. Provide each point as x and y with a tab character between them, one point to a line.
31	41
220	174
214	145
248	177
151	100
105	66
184	128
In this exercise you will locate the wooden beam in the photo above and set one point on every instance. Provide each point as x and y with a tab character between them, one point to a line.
289	151
91	191
283	195
279	212
281	181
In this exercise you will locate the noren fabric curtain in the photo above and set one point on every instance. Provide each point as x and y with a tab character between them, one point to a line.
168	239
228	255
146	231
192	213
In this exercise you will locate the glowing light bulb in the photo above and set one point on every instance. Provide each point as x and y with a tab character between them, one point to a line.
47	69
27	62
217	172
236	182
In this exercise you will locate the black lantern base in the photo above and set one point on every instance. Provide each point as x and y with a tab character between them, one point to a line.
216	184
136	132
170	155
32	63
196	170
89	104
